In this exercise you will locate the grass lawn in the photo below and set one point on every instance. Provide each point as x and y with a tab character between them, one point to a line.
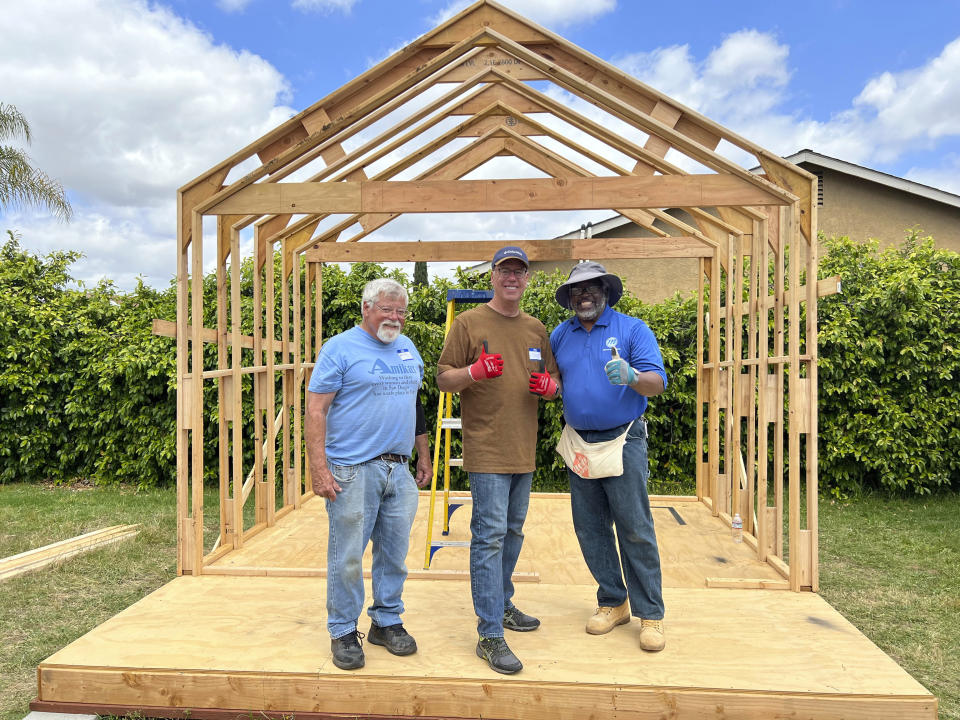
892	566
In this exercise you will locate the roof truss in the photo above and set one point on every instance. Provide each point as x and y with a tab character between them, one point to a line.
468	92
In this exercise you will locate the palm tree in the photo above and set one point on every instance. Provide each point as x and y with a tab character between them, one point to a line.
20	183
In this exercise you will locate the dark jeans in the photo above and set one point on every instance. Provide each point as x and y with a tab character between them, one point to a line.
598	505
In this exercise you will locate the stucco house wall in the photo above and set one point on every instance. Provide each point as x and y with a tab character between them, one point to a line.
863	209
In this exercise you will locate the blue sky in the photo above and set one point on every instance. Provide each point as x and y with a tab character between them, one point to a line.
128	100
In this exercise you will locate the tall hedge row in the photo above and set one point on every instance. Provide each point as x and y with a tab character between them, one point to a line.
890	367
86	390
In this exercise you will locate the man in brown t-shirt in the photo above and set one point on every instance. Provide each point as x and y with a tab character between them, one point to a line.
499	359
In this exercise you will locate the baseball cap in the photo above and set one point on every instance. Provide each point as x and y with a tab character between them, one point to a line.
510	252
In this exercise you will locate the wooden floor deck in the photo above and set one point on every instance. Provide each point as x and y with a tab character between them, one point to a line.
253	639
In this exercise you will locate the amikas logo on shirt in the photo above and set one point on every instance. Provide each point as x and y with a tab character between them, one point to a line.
379	367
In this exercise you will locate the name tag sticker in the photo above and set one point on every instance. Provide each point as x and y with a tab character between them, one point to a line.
404	354
535	354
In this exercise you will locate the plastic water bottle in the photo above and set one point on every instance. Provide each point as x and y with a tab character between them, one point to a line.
736	527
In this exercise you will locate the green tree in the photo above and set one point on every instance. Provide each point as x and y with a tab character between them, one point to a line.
420	274
21	184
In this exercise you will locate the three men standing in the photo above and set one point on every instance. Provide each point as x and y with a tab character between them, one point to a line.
361	425
610	363
364	416
499	359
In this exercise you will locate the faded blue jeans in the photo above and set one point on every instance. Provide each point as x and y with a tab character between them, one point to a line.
598	505
499	508
378	502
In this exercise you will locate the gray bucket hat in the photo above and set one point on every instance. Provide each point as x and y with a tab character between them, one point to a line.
590	271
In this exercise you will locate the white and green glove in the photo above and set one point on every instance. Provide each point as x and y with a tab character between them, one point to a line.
620	373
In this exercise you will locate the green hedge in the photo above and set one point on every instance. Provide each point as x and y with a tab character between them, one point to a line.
890	367
86	391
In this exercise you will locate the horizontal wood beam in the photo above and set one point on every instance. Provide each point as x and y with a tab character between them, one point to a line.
537	250
826	287
167	328
515	195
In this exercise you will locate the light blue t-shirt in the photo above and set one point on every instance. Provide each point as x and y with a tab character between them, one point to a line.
590	402
376	384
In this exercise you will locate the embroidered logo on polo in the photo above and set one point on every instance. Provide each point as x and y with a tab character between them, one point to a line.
611	342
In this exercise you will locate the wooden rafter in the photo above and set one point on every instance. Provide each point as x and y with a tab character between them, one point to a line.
409	196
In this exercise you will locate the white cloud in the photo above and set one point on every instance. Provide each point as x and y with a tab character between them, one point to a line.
917	105
127	114
118	246
323	5
127	102
746	75
743	84
549	13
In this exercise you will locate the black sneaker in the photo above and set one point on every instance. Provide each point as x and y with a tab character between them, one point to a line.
394	638
498	655
514	619
347	653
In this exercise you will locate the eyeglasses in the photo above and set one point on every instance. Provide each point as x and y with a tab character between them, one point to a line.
576	292
401	312
507	272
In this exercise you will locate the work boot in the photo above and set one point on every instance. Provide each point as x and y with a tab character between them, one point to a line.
651	635
606	618
347	653
514	619
498	655
393	637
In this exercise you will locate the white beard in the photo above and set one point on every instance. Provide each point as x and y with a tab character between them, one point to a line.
594	312
388	331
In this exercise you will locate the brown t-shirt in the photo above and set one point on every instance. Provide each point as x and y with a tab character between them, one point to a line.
499	414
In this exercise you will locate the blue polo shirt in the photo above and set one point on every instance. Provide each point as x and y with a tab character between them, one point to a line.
590	402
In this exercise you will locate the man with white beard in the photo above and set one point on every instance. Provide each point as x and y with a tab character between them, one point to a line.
363	419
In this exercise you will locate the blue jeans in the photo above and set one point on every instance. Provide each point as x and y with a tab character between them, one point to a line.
600	503
499	508
378	503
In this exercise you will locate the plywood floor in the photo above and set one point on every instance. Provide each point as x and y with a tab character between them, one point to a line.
693	544
259	643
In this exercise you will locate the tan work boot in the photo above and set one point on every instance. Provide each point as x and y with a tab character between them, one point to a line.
651	635
606	619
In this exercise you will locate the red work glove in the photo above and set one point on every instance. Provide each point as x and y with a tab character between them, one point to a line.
487	365
542	384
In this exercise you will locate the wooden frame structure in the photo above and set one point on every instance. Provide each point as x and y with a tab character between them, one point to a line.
470	91
241	629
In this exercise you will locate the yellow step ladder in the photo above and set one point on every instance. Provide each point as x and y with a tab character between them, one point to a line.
446	424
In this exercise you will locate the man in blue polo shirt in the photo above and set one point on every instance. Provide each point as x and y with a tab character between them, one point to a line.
610	364
363	419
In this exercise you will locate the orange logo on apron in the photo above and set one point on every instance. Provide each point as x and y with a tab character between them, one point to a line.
581	465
